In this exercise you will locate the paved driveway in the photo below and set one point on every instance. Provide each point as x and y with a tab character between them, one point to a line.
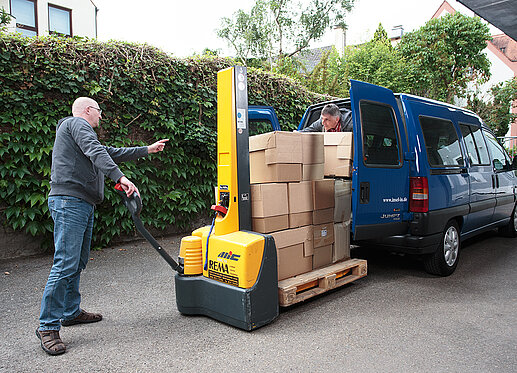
397	319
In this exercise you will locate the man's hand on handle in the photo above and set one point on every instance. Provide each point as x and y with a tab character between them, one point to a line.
128	186
157	146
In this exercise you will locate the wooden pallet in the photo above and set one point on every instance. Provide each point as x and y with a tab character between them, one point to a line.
299	288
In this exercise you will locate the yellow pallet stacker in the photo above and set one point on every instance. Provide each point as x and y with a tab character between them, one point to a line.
225	270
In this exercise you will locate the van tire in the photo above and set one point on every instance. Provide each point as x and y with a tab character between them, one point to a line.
445	260
510	230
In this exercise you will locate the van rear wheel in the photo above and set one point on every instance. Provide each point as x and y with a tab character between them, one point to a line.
445	260
510	230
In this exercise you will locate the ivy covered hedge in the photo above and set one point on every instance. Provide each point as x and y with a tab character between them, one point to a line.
145	95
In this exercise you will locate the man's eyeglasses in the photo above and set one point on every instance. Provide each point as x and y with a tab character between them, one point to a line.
99	110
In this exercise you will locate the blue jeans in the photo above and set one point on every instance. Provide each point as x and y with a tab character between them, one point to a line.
73	225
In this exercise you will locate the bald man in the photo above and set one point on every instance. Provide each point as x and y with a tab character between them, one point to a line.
79	163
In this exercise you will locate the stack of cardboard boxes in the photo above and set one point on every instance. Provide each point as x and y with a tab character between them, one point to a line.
307	215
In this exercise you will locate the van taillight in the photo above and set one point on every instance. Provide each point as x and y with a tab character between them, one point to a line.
418	194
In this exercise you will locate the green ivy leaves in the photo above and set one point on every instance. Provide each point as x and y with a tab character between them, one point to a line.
145	95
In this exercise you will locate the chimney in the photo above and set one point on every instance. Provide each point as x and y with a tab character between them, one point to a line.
340	39
397	32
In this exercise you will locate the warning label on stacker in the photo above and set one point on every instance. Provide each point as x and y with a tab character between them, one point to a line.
227	279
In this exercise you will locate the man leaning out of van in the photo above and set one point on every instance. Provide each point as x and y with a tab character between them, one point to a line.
332	120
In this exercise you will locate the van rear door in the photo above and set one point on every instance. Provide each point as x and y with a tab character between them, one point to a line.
380	176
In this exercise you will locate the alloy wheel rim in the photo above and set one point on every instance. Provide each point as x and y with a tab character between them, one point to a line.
450	246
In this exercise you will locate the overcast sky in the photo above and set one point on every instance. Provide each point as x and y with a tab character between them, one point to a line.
187	27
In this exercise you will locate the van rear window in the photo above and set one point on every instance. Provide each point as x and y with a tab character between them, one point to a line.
441	142
380	137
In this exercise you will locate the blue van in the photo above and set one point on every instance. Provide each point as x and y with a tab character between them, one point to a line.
426	175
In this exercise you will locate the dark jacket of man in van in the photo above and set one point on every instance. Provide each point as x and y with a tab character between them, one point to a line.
332	120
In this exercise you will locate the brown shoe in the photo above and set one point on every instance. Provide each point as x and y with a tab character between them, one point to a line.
83	318
51	342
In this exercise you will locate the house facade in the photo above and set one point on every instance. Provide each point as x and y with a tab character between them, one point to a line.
44	17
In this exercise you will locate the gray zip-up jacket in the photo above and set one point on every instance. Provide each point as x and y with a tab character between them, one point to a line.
80	161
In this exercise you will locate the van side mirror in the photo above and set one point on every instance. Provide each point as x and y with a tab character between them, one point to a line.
514	163
498	166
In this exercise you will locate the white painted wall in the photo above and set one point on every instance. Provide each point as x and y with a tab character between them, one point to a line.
499	70
83	16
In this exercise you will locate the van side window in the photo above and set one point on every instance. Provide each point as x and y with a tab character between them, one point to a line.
380	137
441	142
500	160
475	143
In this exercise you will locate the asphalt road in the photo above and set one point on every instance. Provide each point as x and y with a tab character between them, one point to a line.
397	319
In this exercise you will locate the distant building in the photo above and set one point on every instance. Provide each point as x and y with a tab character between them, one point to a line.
43	17
309	58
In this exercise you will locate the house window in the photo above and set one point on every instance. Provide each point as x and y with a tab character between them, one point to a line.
26	17
59	20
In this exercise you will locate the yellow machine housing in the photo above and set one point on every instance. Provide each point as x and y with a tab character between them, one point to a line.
234	258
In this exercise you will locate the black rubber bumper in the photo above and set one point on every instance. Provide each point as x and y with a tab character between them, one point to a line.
412	244
407	243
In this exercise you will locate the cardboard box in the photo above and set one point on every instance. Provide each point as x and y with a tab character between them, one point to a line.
260	172
278	147
323	216
292	261
300	219
342	200
323	235
290	237
313	171
322	256
323	194
345	152
300	197
269	200
335	166
338	138
338	153
270	224
341	249
312	148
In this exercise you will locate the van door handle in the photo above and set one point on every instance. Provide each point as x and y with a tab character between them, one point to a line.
364	192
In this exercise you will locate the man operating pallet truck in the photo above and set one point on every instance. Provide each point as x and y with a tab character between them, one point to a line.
79	163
